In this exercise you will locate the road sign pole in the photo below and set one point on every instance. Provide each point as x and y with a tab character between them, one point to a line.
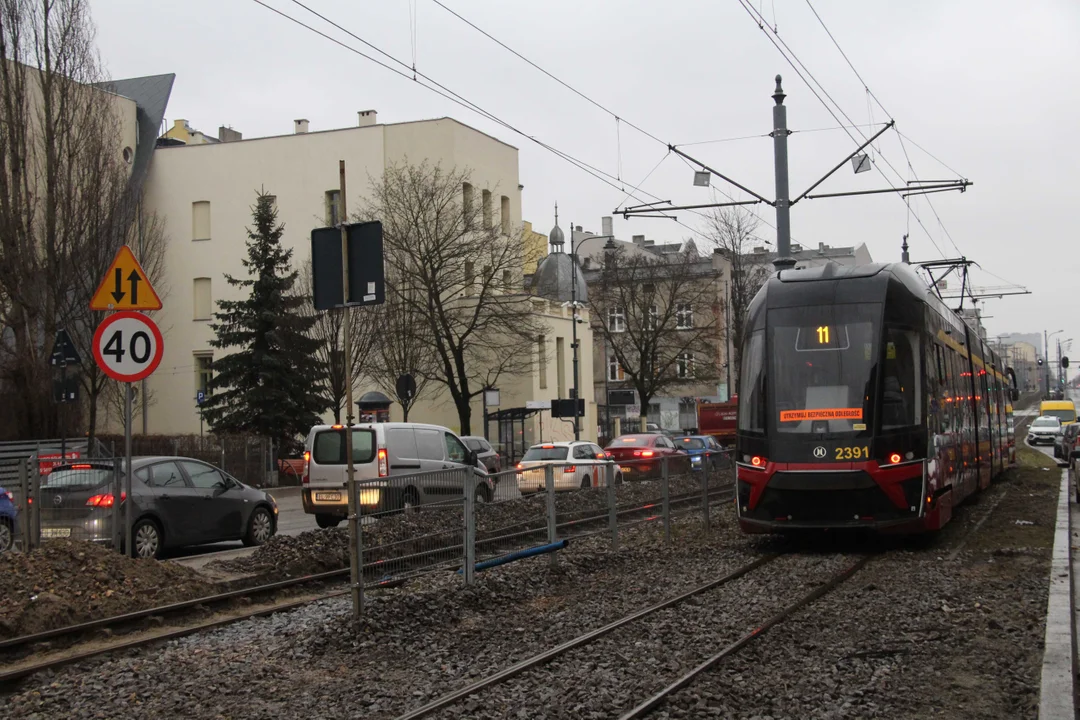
355	534
60	410
127	469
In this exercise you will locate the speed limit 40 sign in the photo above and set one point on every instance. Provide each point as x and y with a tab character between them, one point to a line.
128	346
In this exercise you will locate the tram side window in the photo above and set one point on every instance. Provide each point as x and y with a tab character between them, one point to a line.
901	380
933	389
752	384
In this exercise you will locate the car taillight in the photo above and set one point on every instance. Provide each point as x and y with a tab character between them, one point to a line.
570	469
105	501
646	453
307	469
384	468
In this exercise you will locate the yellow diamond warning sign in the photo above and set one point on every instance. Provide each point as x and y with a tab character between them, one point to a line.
125	286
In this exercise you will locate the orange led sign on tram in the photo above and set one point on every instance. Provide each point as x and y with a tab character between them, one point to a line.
821	414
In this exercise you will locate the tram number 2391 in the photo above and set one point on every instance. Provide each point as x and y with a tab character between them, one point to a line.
851	453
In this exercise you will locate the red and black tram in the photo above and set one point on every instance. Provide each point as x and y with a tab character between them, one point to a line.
864	402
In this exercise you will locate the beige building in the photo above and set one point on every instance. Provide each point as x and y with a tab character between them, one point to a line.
205	192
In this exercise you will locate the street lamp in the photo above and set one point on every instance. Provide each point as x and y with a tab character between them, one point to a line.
574	319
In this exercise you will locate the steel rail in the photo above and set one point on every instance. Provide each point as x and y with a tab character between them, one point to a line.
585	639
661	697
26	670
23	640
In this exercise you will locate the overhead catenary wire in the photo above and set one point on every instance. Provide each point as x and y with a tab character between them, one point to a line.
429	83
791	58
448	94
870	95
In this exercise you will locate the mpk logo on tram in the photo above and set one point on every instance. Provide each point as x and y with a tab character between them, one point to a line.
820	452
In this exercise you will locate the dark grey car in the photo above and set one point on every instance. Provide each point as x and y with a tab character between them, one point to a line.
177	502
486	455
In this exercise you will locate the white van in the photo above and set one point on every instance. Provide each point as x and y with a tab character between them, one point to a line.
398	462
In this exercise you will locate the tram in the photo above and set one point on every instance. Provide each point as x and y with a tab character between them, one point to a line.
864	402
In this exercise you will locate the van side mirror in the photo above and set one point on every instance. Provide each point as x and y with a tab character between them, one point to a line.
470	456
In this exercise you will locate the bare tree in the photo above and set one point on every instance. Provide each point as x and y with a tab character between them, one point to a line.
464	270
328	329
733	232
404	347
64	194
660	318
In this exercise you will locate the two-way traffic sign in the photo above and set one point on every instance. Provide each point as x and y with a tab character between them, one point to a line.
128	346
125	286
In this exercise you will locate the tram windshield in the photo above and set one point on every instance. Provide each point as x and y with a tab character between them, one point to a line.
823	365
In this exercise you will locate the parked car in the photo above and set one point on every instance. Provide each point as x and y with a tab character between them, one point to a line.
1044	430
486	456
576	464
177	502
8	511
705	451
398	463
641	454
1070	448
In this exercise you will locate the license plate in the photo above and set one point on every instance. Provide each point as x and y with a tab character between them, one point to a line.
55	532
328	497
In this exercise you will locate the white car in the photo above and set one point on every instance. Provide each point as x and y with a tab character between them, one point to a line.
576	464
1044	429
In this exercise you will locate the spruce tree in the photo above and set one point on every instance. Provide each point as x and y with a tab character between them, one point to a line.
268	384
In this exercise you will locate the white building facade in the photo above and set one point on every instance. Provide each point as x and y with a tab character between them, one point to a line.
204	193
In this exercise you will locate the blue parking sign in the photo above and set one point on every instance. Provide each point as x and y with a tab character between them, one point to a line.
200	396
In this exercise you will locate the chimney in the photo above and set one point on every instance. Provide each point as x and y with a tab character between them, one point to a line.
225	134
650	243
606	222
578	228
639	240
300	126
366	118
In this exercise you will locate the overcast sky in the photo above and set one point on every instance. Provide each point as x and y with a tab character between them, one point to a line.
987	86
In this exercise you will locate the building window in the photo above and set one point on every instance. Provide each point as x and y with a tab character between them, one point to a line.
541	346
615	370
202	300
486	199
684	365
200	220
560	369
467	205
653	318
684	316
508	280
204	371
470	277
504	215
616	320
333	208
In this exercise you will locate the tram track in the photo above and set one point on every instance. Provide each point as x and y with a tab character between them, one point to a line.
625	643
26	655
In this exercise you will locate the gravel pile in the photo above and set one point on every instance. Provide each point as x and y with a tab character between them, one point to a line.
401	535
65	582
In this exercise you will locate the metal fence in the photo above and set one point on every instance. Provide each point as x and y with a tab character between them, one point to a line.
463	520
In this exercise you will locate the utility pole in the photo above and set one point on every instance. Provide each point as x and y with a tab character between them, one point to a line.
573	325
783	201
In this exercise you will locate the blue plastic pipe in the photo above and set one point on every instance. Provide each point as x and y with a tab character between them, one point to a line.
521	555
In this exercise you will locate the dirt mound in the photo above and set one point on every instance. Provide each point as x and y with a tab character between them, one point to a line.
65	582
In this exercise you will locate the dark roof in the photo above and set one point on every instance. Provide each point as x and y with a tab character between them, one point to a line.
151	97
553	278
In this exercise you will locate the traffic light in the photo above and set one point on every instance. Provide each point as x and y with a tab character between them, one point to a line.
1065	362
1040	362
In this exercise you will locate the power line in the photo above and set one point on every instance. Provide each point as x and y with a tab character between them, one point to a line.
566	85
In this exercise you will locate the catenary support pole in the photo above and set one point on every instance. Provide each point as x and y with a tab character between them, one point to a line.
356	538
783	200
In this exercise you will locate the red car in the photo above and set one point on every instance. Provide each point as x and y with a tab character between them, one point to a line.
641	455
